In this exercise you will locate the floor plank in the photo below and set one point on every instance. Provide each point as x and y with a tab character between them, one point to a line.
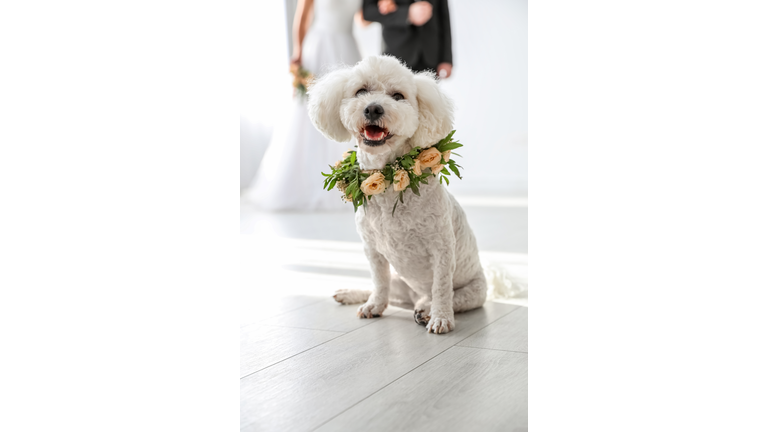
325	315
462	389
304	391
509	333
255	306
262	346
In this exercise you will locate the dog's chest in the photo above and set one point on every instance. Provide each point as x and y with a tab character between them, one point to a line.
410	235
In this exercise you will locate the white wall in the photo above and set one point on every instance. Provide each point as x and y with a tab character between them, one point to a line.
265	83
490	87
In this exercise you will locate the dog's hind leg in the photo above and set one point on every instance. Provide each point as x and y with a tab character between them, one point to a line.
421	310
472	295
350	296
400	294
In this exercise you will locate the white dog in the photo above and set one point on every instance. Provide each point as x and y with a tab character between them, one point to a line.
389	110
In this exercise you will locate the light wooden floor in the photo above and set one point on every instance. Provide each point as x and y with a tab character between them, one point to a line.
307	363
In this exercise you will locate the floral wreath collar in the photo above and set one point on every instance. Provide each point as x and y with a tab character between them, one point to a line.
406	172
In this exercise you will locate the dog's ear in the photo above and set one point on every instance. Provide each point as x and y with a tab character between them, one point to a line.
324	105
435	111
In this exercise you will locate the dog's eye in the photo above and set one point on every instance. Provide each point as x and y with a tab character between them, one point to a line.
362	91
398	96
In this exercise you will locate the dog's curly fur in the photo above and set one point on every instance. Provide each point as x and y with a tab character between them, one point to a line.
428	240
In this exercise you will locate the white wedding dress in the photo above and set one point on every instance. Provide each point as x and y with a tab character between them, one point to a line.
289	175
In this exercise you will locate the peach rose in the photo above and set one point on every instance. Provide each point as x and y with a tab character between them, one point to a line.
374	184
447	155
338	164
429	157
437	168
417	167
401	180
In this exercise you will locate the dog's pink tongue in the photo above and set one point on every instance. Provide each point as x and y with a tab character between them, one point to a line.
374	133
374	136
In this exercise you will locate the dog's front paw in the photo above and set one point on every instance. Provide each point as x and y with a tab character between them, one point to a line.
371	310
439	325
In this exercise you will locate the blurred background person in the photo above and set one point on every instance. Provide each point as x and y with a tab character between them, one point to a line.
287	178
419	33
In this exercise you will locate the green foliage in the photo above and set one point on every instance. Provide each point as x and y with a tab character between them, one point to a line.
349	175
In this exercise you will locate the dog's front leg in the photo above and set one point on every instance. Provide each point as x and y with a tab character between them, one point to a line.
441	320
379	299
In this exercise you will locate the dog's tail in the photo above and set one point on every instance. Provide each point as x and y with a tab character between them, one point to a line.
504	283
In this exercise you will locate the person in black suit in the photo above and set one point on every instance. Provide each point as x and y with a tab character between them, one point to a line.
418	33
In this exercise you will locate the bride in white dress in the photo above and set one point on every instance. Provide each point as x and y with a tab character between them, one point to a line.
289	175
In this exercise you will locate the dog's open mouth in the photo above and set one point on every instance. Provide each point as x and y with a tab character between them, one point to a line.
374	135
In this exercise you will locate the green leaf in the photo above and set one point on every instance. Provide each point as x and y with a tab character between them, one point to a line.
333	183
445	171
352	157
446	139
450	146
415	189
455	170
401	196
447	182
352	187
393	209
456	154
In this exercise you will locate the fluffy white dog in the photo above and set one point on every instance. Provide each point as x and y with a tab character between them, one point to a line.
389	110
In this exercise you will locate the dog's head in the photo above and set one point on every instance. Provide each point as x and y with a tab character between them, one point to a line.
384	106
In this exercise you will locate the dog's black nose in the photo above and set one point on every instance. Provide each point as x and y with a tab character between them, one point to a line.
373	112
